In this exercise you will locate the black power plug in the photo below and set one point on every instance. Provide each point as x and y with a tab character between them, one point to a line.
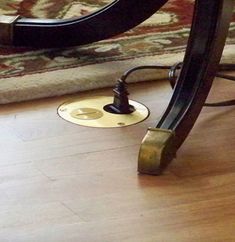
120	103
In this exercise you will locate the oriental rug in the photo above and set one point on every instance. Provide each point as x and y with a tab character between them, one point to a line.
27	74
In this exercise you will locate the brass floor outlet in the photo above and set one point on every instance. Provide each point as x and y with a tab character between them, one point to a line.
89	112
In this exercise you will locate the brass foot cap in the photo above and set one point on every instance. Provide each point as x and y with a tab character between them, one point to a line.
156	151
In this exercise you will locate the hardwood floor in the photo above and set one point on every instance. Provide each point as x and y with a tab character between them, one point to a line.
62	182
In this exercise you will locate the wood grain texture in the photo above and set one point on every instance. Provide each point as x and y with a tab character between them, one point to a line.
62	182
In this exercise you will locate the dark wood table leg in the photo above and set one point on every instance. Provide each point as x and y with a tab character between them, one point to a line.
206	42
115	18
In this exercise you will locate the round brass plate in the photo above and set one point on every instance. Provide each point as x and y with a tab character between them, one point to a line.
89	112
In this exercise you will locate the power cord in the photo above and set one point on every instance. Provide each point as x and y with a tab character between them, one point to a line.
174	73
121	104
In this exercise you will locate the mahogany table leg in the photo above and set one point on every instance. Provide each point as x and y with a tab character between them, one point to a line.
206	42
115	18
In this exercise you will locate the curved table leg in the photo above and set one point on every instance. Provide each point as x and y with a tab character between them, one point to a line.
115	18
206	42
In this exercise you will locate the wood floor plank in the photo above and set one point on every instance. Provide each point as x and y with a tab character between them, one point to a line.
60	182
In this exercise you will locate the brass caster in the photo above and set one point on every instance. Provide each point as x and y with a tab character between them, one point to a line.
156	151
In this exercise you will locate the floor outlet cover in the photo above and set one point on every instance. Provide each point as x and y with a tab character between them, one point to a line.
89	112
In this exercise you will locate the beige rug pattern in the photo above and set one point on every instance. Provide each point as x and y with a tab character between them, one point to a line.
27	74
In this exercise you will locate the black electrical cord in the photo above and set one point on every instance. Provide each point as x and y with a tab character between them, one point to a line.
121	103
173	75
137	68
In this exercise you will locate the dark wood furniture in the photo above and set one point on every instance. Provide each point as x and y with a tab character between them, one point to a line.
205	46
206	42
115	18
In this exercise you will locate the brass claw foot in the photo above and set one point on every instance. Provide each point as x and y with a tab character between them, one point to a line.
156	151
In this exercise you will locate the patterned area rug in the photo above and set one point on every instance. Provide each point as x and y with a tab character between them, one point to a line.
30	74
